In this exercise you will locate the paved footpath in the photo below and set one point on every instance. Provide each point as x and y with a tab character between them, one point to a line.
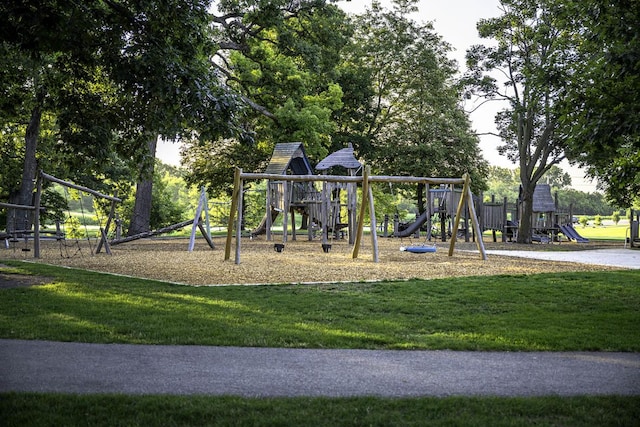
43	366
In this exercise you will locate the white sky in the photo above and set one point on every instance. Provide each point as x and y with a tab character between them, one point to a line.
455	21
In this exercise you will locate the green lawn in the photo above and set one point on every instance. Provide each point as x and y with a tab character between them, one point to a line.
607	232
554	312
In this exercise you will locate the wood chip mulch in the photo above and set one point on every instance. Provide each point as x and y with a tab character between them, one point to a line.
302	261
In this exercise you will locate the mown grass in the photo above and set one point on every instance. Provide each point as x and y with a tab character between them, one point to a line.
548	312
569	311
113	410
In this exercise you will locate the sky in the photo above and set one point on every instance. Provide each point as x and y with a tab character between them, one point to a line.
455	21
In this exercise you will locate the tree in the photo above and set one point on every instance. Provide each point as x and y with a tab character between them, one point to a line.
412	123
112	77
532	57
160	62
603	103
280	58
54	97
557	178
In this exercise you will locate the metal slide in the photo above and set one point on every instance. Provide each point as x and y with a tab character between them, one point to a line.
414	226
572	234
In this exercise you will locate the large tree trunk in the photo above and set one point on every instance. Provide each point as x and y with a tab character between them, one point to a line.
526	214
141	215
420	197
21	219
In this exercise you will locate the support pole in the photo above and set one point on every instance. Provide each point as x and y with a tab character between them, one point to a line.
196	220
239	221
105	230
374	226
36	218
363	206
467	197
232	212
268	217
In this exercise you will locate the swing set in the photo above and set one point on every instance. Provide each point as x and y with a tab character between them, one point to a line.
59	234
367	203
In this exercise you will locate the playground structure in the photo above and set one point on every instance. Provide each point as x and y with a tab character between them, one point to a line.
34	222
549	219
297	192
321	208
31	225
196	224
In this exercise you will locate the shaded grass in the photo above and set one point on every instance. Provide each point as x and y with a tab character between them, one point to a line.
113	410
548	312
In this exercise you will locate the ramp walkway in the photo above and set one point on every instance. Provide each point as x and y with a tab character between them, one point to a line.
44	366
623	258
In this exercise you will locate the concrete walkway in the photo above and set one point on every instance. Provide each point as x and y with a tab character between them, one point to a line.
624	258
42	366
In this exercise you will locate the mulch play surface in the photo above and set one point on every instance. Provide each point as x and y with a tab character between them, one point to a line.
302	261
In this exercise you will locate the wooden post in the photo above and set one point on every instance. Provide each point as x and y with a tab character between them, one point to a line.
103	232
207	220
374	231
196	221
232	212
285	210
474	221
428	207
269	218
456	223
324	212
239	222
363	206
36	218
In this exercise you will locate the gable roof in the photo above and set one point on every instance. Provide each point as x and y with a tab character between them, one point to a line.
289	156
344	158
542	199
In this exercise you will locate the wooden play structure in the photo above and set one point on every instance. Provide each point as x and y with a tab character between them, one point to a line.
549	218
103	242
196	224
309	196
322	207
36	209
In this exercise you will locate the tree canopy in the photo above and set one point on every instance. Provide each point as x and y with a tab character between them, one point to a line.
528	69
603	103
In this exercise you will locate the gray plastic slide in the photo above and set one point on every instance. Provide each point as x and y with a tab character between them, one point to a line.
572	234
414	226
262	227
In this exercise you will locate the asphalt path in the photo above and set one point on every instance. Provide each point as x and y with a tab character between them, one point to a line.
623	258
43	366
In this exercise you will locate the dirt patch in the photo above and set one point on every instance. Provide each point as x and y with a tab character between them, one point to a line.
14	280
301	261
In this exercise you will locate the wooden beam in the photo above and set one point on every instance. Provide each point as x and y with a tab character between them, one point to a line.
152	232
78	187
363	206
357	179
232	212
19	207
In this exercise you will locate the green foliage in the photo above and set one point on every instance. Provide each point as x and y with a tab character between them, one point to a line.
615	217
601	110
597	221
535	58
172	202
411	123
584	221
280	58
73	228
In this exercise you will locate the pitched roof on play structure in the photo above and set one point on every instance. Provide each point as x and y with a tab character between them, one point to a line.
542	199
344	158
289	156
